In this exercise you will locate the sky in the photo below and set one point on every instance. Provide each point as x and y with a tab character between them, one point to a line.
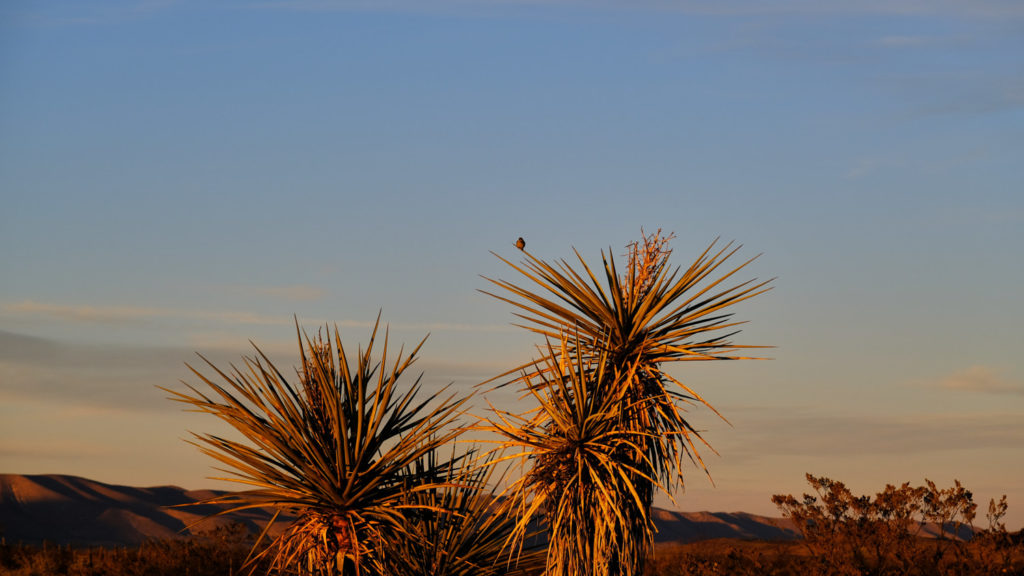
183	176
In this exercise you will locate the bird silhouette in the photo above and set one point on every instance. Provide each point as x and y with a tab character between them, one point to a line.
521	244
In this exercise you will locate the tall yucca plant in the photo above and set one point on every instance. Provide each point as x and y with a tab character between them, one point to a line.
635	322
337	450
582	468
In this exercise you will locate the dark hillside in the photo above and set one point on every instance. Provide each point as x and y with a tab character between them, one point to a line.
73	510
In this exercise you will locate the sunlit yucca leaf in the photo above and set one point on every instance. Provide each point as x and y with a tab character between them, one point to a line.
458	529
627	325
645	317
581	468
335	447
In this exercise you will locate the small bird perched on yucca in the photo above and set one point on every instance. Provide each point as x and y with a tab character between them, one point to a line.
520	243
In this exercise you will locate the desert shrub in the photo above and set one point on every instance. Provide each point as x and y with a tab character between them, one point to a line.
760	558
729	557
883	535
996	550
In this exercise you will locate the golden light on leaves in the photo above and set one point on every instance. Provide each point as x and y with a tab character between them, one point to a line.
355	460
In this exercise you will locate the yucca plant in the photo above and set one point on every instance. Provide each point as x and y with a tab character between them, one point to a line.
338	448
580	465
632	323
458	529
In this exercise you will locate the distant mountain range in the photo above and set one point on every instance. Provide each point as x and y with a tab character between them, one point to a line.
72	510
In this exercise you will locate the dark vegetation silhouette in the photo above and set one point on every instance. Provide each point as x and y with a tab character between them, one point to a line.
893	533
905	530
218	552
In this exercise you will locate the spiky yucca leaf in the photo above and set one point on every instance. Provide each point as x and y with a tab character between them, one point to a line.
631	324
336	450
647	316
458	528
583	469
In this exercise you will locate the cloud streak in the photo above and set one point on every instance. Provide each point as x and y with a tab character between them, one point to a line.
953	94
297	292
133	314
124	378
738	8
982	379
61	451
867	435
92	14
112	378
113	315
904	40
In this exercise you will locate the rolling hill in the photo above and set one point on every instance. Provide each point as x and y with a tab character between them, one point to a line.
72	510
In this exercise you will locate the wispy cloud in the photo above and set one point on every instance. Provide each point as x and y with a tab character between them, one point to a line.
905	41
973	94
64	450
297	292
88	314
113	378
897	41
803	434
98	314
89	13
994	99
94	13
865	167
978	8
1009	216
982	379
134	314
450	327
123	378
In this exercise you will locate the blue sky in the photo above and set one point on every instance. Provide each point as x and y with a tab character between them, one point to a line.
187	176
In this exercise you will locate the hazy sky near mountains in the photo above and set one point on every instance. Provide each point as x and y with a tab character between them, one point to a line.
186	176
